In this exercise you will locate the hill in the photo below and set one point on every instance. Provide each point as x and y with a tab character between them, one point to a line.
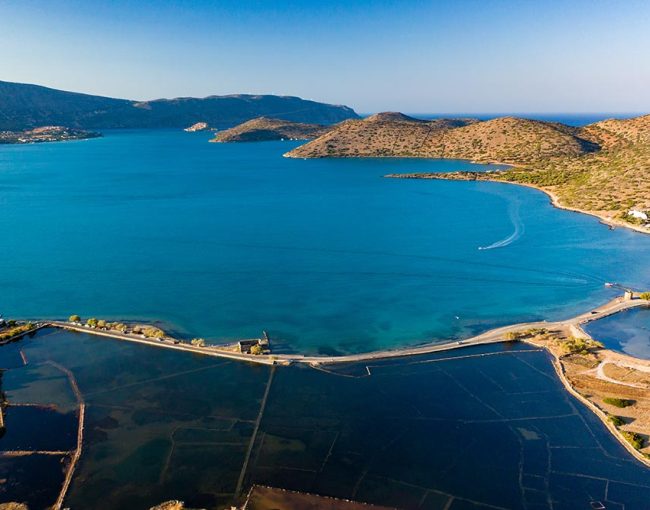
611	183
24	106
506	139
382	135
263	128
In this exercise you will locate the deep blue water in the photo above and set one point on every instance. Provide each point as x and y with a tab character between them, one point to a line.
224	240
627	331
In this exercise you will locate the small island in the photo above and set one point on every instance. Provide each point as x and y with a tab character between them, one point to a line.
264	129
198	126
46	134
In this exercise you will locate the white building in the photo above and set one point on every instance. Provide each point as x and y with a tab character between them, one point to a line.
638	214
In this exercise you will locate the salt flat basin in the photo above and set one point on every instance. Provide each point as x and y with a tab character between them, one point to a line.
627	331
162	424
222	241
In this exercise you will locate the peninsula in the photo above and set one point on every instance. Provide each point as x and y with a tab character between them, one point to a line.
264	129
45	134
599	169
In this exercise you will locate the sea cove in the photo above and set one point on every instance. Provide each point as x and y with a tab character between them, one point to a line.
224	240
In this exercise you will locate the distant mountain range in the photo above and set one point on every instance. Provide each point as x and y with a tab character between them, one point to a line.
24	106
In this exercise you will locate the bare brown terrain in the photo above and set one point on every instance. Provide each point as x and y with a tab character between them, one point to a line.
505	139
268	498
263	128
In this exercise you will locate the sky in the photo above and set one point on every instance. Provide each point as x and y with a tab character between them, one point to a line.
461	56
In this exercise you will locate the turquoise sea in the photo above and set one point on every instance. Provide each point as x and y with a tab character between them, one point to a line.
225	240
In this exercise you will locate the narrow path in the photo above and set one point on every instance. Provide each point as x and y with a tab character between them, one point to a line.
242	474
599	373
24	453
496	335
80	433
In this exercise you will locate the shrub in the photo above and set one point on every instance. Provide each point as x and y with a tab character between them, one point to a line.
257	349
636	440
617	421
645	295
575	345
92	322
74	318
198	342
618	402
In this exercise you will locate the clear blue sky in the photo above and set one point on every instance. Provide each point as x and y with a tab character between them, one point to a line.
413	56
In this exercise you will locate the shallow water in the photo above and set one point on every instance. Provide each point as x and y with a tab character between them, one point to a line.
489	425
225	240
627	331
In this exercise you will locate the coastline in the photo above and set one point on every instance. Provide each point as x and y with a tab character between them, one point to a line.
555	202
506	334
554	199
600	414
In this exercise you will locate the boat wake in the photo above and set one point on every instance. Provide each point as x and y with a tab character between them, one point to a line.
518	225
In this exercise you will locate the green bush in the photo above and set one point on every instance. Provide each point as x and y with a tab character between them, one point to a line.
575	345
634	439
618	402
617	421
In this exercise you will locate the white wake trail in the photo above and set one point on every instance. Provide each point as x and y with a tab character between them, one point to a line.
518	225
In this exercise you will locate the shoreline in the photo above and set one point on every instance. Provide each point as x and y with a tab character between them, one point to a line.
554	199
495	335
555	202
505	334
602	415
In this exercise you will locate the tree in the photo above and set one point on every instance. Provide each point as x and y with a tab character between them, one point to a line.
257	349
512	335
74	318
645	295
101	323
198	342
92	322
153	332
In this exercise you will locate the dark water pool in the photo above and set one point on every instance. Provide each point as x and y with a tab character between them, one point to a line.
627	331
477	428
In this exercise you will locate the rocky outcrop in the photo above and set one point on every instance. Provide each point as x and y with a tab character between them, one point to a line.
263	129
199	126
